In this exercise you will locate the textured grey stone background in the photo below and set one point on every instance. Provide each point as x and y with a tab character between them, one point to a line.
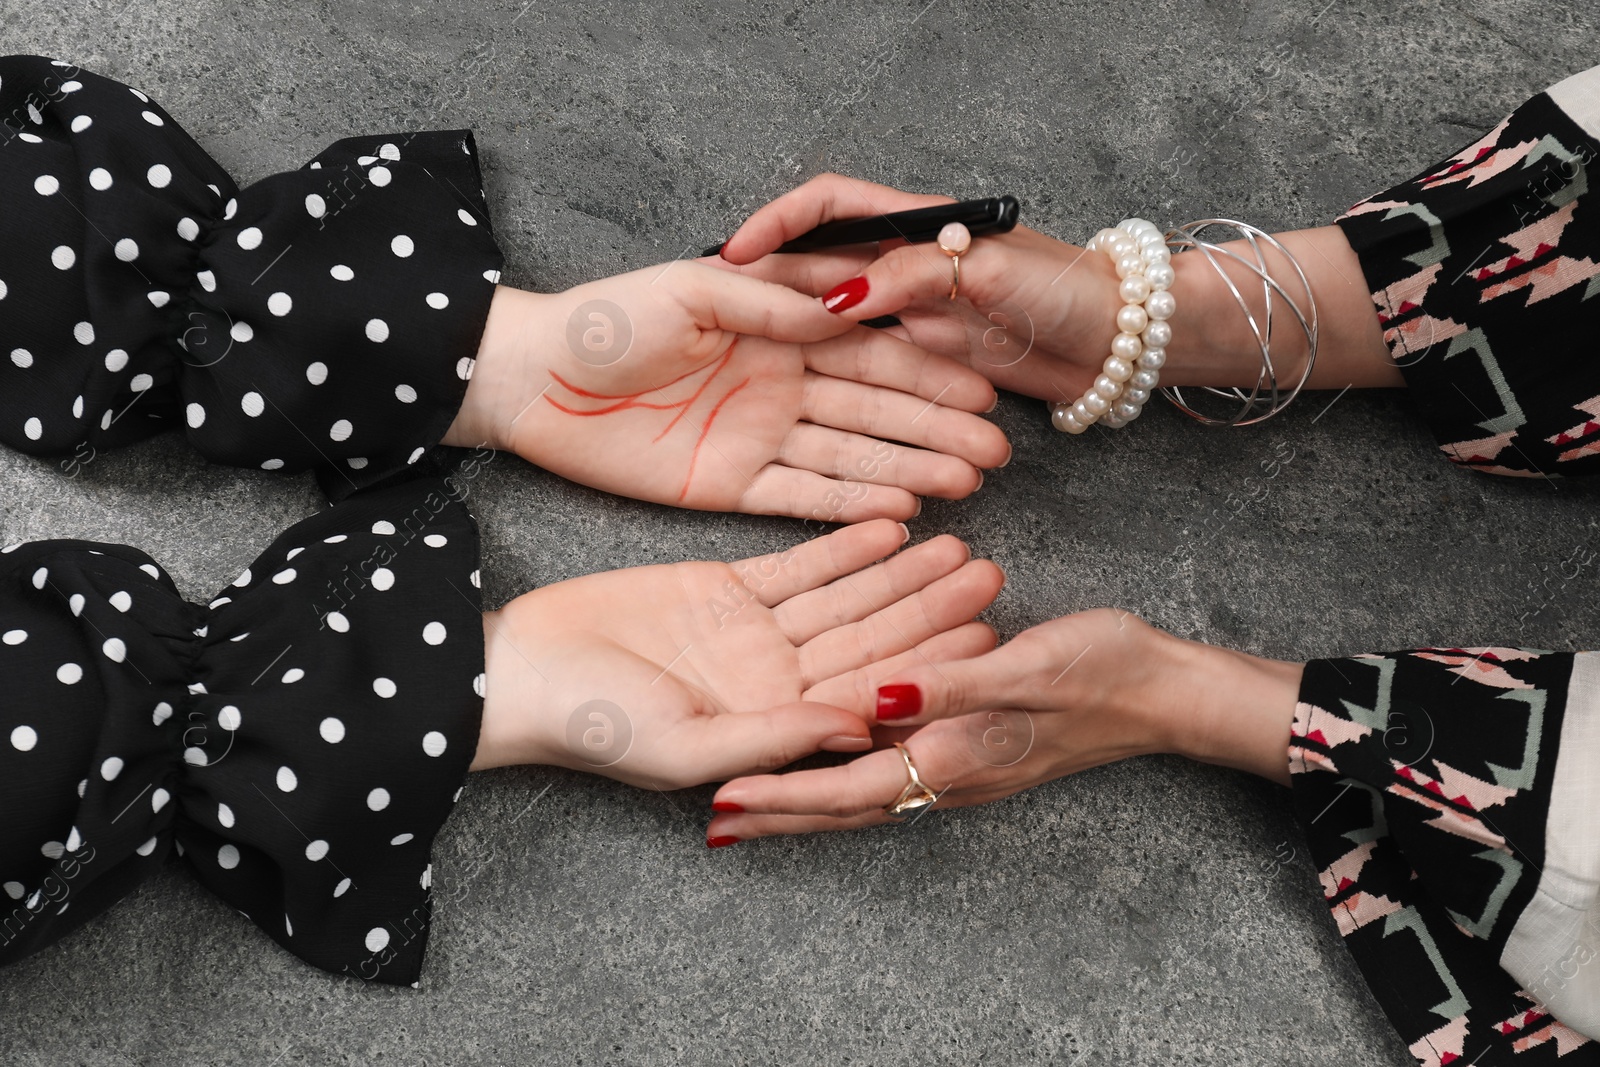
1132	915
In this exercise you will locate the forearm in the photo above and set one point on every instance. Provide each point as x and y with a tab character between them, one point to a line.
1212	340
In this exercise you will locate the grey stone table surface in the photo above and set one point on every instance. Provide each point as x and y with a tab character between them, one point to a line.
1139	914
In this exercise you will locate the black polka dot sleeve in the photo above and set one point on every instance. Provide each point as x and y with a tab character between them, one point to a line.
298	741
322	318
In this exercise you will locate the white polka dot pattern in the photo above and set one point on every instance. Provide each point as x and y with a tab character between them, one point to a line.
370	269
267	722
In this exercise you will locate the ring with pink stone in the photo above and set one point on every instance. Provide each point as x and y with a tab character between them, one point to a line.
954	240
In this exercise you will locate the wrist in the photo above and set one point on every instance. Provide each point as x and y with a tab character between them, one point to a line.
1214	344
510	369
1234	710
1152	692
512	732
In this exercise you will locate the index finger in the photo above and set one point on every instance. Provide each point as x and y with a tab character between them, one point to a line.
822	199
777	576
861	786
939	751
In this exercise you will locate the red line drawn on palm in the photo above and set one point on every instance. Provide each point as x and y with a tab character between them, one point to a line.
633	401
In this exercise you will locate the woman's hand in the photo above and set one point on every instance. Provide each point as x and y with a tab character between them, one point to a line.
1071	694
695	387
670	676
1036	315
1033	314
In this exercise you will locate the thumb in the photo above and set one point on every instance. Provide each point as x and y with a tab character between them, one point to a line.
753	742
738	304
998	679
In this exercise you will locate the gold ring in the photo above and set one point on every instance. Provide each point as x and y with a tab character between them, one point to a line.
954	239
916	795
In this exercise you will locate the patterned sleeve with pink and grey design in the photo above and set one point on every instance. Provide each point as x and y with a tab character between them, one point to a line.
1452	796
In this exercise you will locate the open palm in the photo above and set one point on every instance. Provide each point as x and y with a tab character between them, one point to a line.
697	388
669	676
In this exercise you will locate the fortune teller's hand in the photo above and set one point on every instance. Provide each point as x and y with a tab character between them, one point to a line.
1073	693
1037	316
670	676
695	387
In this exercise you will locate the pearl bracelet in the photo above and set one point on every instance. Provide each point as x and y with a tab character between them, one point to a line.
1131	373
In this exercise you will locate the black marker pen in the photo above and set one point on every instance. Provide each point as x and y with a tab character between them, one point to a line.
995	214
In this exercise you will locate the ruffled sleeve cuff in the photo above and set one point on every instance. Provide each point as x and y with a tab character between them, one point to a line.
300	740
323	318
1451	798
1485	273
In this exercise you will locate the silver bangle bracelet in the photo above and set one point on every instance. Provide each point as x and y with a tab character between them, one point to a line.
1254	407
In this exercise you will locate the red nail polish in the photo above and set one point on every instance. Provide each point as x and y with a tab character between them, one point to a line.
721	842
845	295
898	702
727	806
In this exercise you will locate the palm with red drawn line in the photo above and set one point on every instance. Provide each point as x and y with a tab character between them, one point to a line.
738	395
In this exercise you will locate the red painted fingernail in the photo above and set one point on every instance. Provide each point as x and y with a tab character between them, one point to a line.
845	295
721	842
728	806
898	702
